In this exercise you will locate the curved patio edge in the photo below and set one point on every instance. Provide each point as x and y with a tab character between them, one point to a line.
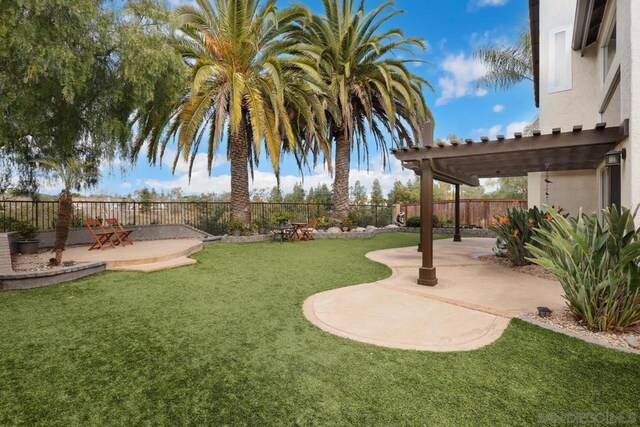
389	313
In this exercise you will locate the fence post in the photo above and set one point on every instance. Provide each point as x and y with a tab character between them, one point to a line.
376	211
134	213
36	211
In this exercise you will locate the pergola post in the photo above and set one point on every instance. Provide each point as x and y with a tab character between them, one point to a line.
427	275
456	234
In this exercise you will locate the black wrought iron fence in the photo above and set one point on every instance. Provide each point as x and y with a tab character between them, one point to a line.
211	217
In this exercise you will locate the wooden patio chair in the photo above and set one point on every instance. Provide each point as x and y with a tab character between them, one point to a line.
122	235
101	236
307	230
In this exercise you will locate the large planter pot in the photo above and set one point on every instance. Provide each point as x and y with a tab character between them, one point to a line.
263	230
236	232
28	246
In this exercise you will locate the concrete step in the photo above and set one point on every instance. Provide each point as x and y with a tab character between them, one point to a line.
155	266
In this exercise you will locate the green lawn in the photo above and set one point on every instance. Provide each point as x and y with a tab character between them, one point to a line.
224	342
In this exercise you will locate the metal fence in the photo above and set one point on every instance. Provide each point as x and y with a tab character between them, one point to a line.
211	217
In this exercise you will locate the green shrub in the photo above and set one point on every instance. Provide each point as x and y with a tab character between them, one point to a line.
597	265
236	224
347	222
435	220
516	229
414	221
26	231
282	216
323	222
8	223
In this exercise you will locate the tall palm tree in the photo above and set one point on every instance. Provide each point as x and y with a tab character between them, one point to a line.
508	64
372	86
72	172
248	79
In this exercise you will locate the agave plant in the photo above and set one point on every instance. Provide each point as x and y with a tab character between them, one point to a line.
597	264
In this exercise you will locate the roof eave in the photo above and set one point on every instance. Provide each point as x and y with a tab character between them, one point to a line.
534	27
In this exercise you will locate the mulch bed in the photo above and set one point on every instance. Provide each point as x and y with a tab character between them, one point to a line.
32	263
563	320
532	269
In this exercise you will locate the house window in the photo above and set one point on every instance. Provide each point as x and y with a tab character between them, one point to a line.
609	51
559	60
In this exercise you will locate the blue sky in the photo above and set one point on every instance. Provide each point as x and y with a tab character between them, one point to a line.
452	29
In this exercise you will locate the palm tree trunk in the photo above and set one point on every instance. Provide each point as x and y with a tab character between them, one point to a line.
240	202
65	208
341	180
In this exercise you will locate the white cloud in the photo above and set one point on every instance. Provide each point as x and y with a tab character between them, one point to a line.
124	185
477	4
491	132
514	127
495	130
201	182
490	37
462	72
498	108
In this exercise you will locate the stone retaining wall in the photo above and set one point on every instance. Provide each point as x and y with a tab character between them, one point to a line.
38	279
358	235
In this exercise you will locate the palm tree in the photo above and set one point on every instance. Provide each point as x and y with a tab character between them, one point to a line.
508	64
72	172
372	86
248	78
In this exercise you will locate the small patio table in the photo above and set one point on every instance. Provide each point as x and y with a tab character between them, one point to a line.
283	232
298	231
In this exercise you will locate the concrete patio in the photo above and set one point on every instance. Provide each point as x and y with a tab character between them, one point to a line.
468	309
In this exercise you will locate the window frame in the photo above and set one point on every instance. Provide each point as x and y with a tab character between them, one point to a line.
552	85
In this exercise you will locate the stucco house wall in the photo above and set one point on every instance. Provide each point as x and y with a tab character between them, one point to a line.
596	94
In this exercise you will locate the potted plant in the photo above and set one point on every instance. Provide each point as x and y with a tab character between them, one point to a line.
347	224
282	218
260	226
26	238
235	227
322	223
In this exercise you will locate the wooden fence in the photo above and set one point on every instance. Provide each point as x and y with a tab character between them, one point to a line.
472	211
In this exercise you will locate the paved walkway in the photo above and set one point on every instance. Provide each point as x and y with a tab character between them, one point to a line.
468	309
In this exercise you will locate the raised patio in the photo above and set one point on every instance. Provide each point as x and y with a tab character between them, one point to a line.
145	256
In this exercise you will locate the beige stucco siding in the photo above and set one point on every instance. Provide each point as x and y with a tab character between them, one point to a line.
596	95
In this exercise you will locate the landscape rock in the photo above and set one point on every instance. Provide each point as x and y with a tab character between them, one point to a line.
500	248
633	341
371	227
359	230
392	226
334	230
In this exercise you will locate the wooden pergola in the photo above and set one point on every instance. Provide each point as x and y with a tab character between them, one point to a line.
465	162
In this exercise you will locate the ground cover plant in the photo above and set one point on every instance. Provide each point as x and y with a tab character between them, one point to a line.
224	342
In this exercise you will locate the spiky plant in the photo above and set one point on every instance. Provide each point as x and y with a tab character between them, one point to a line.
361	63
598	265
249	80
